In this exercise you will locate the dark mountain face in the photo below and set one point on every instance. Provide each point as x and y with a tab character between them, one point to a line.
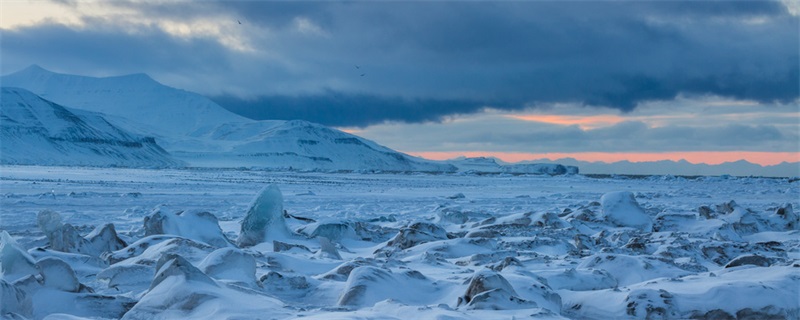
37	131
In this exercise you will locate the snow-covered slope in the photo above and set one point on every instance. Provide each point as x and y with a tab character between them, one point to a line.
37	131
201	133
137	97
303	145
492	165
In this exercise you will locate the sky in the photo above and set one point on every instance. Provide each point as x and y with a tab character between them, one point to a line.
705	81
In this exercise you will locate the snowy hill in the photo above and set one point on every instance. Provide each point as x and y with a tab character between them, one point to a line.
200	132
37	131
301	145
492	165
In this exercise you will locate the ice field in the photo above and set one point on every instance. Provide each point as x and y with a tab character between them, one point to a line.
394	246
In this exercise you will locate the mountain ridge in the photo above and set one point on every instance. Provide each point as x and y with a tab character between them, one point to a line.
38	131
196	130
136	96
669	167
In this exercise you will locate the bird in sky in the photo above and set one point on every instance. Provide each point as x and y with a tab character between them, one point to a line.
363	74
239	21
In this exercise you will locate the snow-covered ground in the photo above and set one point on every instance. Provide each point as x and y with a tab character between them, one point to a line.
393	246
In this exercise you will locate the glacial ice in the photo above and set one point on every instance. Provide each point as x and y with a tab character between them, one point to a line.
15	263
264	218
406	251
368	285
622	209
334	230
58	274
327	249
14	302
197	225
230	264
181	290
490	290
104	239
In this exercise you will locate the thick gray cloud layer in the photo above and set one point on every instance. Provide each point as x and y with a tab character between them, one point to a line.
425	61
352	110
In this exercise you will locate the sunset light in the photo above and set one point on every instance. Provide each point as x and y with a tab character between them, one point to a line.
385	159
706	157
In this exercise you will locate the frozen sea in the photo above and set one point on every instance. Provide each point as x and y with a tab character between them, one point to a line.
403	246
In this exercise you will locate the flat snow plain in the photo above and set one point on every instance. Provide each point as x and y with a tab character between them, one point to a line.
403	246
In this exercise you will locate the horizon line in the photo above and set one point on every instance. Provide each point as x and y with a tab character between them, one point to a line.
761	158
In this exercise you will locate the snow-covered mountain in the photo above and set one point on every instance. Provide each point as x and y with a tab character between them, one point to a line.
37	131
202	133
152	107
294	144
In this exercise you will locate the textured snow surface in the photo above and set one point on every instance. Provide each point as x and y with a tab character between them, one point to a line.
74	244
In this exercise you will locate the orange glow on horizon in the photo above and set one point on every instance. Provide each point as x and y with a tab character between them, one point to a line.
584	122
696	157
588	122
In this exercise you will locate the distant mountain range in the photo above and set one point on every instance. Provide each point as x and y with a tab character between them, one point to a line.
682	167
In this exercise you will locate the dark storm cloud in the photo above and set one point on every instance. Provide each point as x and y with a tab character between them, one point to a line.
340	109
424	61
593	53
